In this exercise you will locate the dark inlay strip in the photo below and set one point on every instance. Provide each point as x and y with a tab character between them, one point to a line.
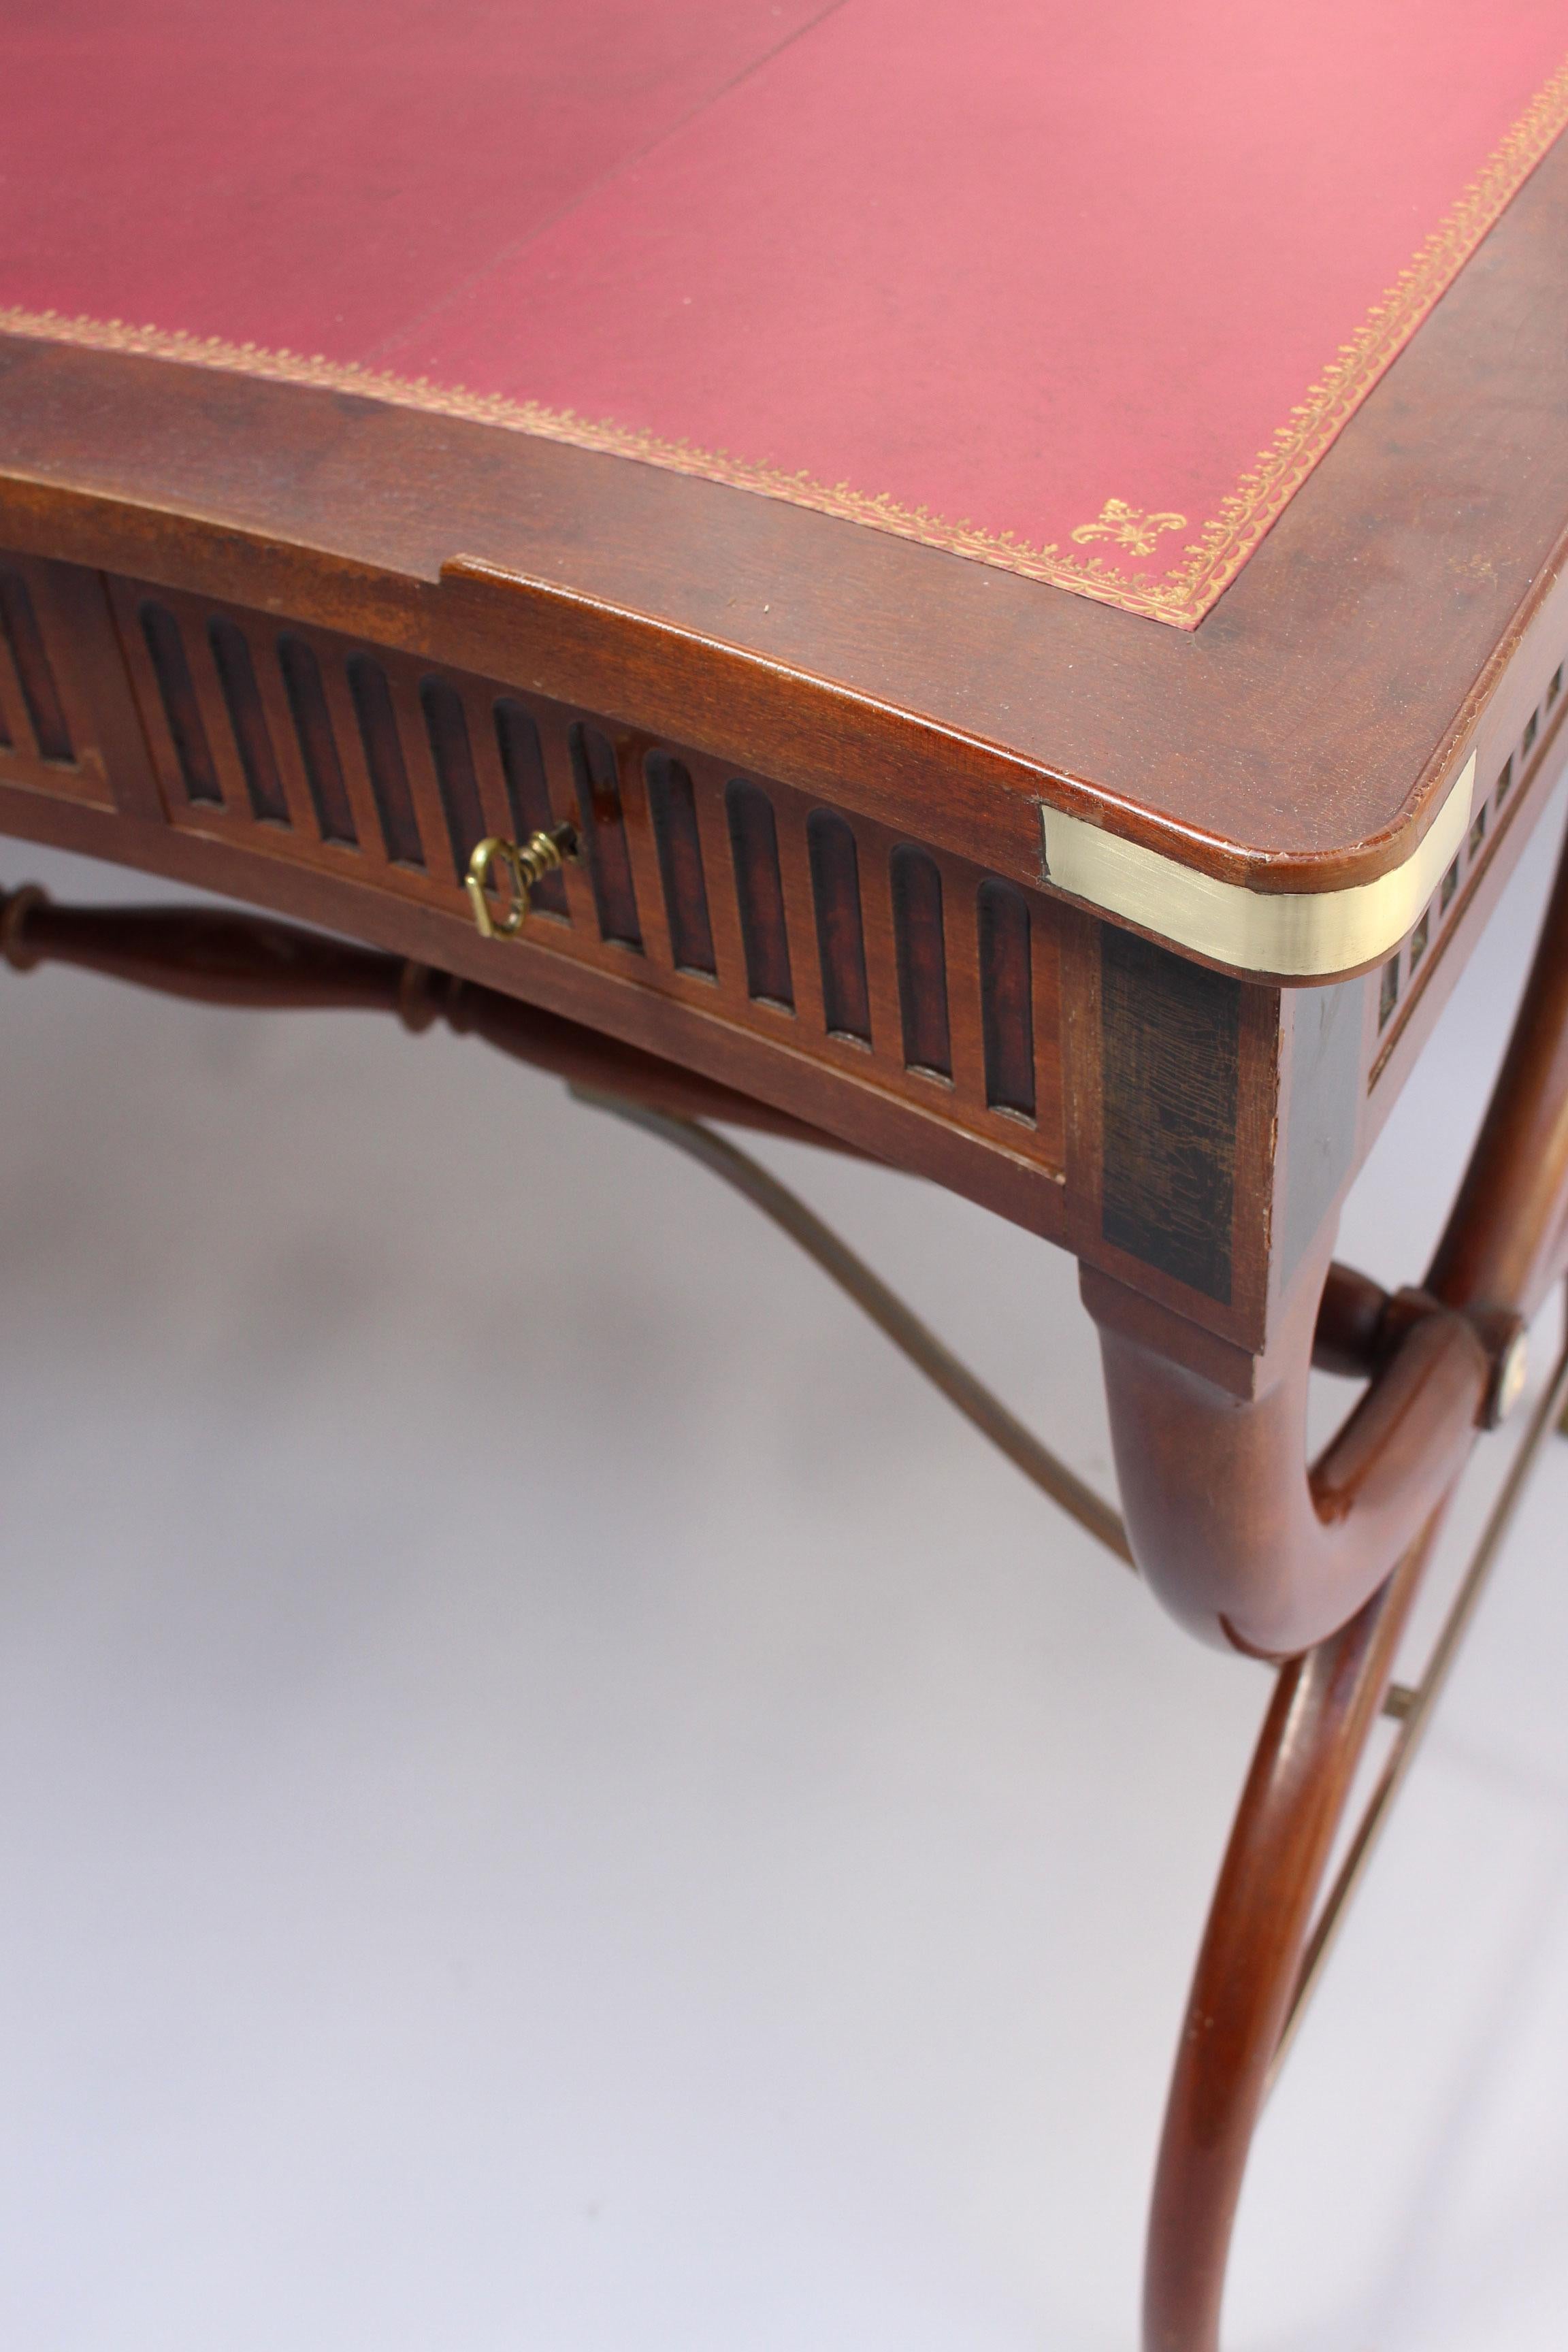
1171	1054
447	724
242	699
603	830
166	651
527	791
674	806
840	931
759	888
384	761
922	960
318	744
1006	998
34	675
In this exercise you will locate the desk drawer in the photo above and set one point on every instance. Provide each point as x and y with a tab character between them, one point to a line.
749	903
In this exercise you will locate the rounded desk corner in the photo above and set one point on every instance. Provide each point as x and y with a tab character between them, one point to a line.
1312	937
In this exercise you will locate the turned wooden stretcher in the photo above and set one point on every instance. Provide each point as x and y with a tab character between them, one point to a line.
769	668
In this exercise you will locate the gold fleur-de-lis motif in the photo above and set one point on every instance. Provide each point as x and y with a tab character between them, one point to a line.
1130	527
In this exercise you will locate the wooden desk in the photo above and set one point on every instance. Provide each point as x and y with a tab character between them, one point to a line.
1115	887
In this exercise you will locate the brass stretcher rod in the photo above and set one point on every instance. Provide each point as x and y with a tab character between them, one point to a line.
1507	1235
1412	1707
1354	1310
887	1310
1269	1934
253	961
248	960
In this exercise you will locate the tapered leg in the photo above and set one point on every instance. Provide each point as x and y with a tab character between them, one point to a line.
1324	1706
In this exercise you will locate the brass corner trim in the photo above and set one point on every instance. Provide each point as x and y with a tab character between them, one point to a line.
1288	934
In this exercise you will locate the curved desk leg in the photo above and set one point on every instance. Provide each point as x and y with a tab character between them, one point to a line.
1324	1706
1263	1952
1505	1243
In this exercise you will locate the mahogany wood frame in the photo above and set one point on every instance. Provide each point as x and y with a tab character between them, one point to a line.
1508	1236
1410	606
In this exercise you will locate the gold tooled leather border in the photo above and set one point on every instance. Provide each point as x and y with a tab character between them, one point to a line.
1181	597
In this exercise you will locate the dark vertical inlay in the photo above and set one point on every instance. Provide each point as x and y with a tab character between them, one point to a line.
33	674
840	928
384	761
318	744
242	700
447	725
922	960
673	804
604	833
166	651
1006	998
1171	1058
758	890
527	790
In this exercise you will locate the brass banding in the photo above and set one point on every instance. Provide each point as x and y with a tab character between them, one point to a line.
1289	934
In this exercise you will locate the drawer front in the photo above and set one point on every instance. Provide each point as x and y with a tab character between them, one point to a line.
900	966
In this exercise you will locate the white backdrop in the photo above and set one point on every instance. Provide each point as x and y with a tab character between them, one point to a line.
553	1797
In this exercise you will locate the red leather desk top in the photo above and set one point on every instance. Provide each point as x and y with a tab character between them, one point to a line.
1083	292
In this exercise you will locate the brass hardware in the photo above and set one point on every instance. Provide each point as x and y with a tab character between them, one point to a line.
1502	1334
1411	1707
526	863
1513	1372
1295	934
